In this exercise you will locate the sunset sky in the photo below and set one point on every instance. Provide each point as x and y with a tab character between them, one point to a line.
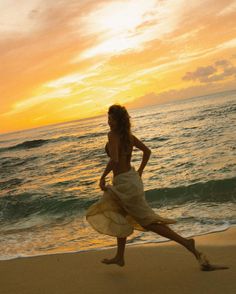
66	60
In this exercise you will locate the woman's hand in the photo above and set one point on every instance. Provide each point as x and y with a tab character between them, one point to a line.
140	171
102	184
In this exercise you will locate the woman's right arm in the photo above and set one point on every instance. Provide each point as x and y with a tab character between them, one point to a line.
146	154
113	162
102	182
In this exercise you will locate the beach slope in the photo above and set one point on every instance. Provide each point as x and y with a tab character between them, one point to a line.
150	268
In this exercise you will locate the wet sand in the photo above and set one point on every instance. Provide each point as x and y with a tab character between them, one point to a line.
150	268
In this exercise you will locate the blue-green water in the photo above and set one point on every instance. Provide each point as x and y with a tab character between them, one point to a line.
49	176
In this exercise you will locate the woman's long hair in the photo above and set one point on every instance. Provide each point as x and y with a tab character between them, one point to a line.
120	114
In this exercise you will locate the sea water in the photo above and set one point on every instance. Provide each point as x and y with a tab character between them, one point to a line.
49	176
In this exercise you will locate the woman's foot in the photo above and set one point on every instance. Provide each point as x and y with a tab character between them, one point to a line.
201	258
204	263
115	260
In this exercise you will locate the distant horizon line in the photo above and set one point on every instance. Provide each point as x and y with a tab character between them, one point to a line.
96	116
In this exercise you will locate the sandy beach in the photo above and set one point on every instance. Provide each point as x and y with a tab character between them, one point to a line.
150	268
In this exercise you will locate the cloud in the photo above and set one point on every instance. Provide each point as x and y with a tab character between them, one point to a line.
228	44
19	17
31	58
128	25
222	62
228	9
73	78
177	94
199	73
36	100
75	105
212	73
228	72
105	50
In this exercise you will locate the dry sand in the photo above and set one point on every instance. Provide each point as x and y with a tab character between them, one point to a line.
150	268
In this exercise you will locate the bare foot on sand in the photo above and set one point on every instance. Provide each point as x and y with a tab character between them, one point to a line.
115	260
205	264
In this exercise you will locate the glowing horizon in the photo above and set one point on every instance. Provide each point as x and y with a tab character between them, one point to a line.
68	61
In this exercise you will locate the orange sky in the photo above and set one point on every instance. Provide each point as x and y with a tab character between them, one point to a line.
66	60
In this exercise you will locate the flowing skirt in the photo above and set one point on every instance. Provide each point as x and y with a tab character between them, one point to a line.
123	207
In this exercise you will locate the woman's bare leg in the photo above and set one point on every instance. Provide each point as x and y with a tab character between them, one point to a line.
189	244
165	231
119	258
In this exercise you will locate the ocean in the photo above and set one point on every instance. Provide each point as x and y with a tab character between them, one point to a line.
49	176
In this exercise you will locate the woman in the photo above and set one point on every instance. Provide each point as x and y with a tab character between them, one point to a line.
123	206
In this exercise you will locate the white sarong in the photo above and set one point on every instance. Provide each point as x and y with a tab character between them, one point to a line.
123	207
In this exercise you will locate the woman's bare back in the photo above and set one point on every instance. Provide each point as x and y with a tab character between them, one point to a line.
124	157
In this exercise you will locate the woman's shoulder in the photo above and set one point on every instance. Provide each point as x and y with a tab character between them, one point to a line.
113	135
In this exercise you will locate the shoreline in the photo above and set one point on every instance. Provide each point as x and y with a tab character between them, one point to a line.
164	267
114	246
166	242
